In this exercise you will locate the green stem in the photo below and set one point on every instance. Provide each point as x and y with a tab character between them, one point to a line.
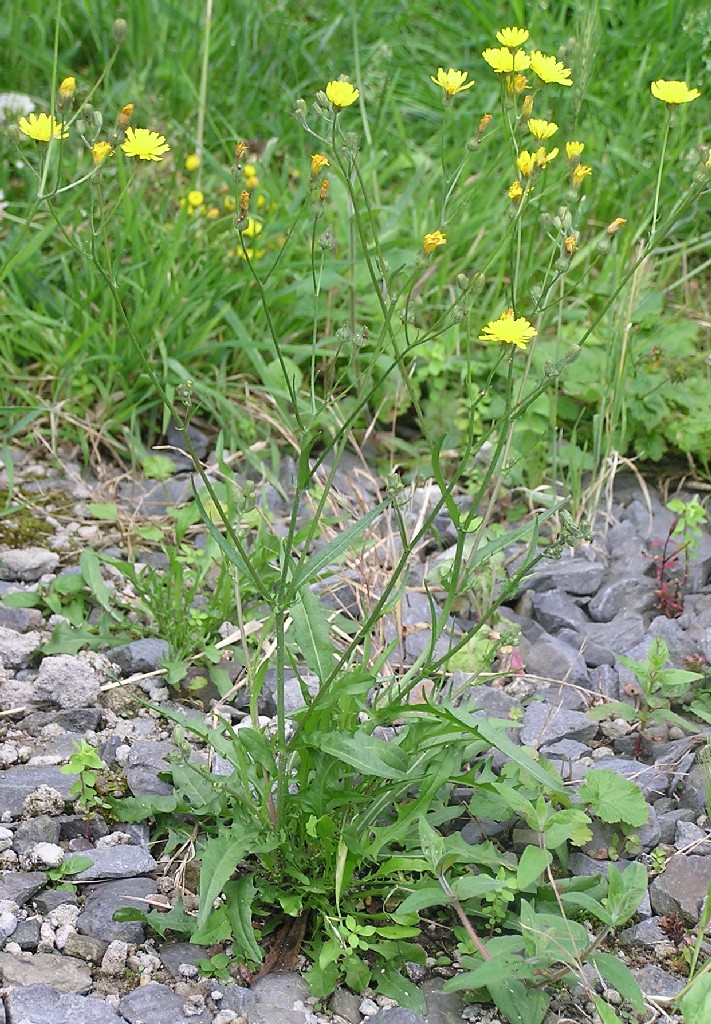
202	97
658	189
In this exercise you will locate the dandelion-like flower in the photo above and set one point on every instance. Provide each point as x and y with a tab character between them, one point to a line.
144	144
42	127
515	191
509	330
570	244
673	92
432	239
503	61
541	129
543	158
580	172
550	70
452	81
512	37
526	162
574	149
252	228
341	94
65	93
195	199
318	162
100	151
192	162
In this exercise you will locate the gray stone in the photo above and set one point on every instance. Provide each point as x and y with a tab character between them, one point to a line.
22	780
442	1007
396	1015
628	593
77	720
20	619
652	781
50	899
489	700
682	886
570	750
27	934
280	998
8	921
174	954
618	636
574	575
63	973
594	654
692	790
26	565
626	549
605	681
179	455
690	835
581	864
159	1005
650	833
234	997
555	610
145	760
103	900
677	640
85	947
140	655
645	935
345	1004
16	649
669	820
658	983
42	829
155	497
551	659
121	861
544	724
67	681
20	886
40	1004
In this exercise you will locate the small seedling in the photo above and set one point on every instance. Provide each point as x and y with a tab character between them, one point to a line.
86	764
671	564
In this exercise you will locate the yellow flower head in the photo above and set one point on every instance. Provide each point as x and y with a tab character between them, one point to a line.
229	203
100	150
125	115
541	129
617	223
574	149
318	162
252	228
515	191
503	61
195	199
548	69
570	244
251	181
512	37
42	127
433	239
452	81
65	93
580	171
509	330
543	158
144	144
673	92
192	162
526	162
213	213
341	94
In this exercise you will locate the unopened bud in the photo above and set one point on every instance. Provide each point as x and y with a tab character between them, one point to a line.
484	123
327	239
323	191
65	93
617	223
240	150
125	115
13	134
527	106
119	30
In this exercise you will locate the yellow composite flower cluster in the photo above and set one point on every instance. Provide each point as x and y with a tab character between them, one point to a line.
452	81
509	330
510	59
341	95
673	92
42	127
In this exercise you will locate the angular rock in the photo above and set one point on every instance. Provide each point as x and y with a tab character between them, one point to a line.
62	973
16	649
175	954
690	835
488	700
67	681
677	640
645	935
77	720
555	610
552	659
397	1015
581	864
20	886
26	565
41	829
235	997
544	724
442	1007
575	575
85	947
658	983
27	934
159	1005
570	750
618	636
103	900
43	1003
669	820
117	862
681	887
140	655
622	593
280	999
22	780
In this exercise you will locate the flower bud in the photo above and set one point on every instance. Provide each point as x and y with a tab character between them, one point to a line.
13	134
125	115
65	93
119	30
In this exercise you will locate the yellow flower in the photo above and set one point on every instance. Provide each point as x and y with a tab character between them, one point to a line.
252	228
503	61
548	69
144	144
518	84
341	94
192	162
515	191
617	223
570	244
42	127
512	37
229	203
65	93
527	105
251	180
673	92
543	158
195	199
125	115
526	162
213	213
509	330
452	81
432	240
100	150
580	171
318	162
541	129
574	149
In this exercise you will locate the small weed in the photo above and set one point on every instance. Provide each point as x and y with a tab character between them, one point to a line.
671	563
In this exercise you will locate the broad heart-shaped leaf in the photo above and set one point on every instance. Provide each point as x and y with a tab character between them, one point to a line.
620	977
218	859
366	753
613	798
310	568
311	631
696	1004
